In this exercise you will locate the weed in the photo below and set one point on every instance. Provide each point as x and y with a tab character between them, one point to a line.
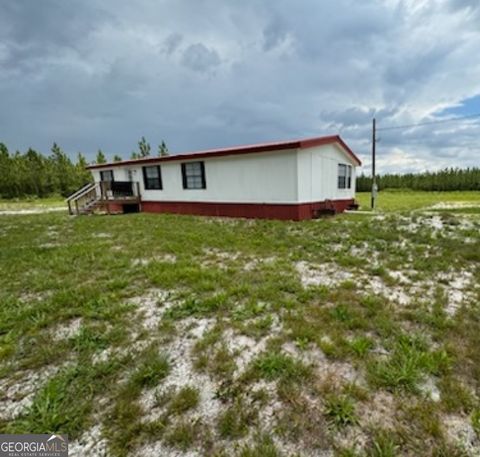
186	398
235	421
341	313
63	405
89	340
455	396
276	365
409	364
475	419
383	446
340	410
183	434
263	447
360	346
152	370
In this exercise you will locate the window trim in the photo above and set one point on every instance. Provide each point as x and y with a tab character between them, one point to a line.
102	173
146	179
347	176
342	166
202	176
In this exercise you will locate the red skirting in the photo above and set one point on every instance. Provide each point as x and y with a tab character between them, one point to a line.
294	212
114	208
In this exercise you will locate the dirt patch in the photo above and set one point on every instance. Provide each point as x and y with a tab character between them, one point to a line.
102	235
327	274
244	347
17	392
152	306
67	330
183	374
252	264
454	205
90	444
430	390
457	289
218	258
378	412
26	212
459	431
27	297
161	450
167	258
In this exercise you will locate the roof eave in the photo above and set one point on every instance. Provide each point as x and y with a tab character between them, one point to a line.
299	144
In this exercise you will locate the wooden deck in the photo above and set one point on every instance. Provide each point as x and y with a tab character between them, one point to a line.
110	195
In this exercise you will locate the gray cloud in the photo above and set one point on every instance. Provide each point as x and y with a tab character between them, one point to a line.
211	73
274	33
200	58
172	42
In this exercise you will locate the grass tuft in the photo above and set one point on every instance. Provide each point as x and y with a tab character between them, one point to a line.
152	370
409	364
185	399
278	366
340	410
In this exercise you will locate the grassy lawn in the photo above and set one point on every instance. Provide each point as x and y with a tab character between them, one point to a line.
169	335
411	200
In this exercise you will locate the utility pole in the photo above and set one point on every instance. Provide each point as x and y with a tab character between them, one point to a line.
374	176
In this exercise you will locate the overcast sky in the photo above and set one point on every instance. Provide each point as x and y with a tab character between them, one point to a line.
92	74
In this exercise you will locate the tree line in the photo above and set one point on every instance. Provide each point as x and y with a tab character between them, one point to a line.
34	174
444	180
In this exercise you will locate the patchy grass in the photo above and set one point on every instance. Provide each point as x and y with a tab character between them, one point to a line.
277	366
31	203
340	410
410	362
354	335
397	200
185	399
153	369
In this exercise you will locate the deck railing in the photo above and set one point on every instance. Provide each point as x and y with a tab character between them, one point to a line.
113	190
101	193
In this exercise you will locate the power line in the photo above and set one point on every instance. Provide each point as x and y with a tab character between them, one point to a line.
421	124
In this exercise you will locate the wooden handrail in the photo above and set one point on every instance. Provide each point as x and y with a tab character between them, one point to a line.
79	191
97	193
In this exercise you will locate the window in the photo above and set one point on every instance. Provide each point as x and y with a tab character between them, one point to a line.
106	175
152	177
344	176
193	175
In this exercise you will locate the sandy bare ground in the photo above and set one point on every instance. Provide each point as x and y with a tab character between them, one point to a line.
23	212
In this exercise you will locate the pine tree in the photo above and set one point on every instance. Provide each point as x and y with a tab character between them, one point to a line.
5	172
64	171
162	149
83	176
144	147
101	157
117	158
